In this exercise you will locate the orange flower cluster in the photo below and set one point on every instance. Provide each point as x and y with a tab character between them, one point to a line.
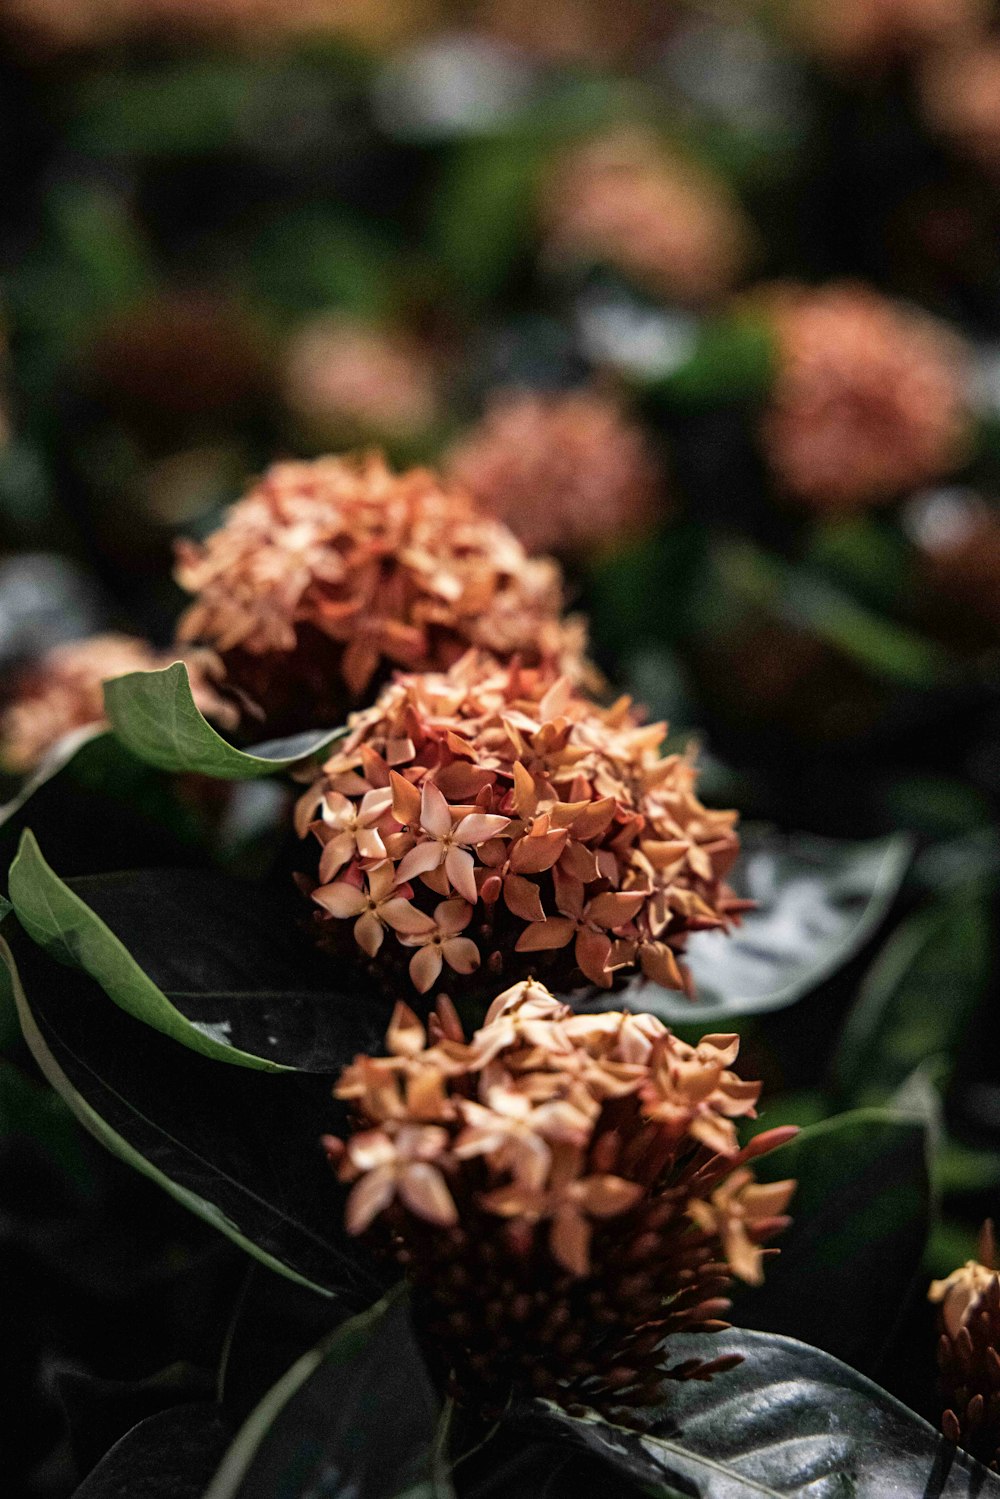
57	25
960	92
625	201
565	1190
868	398
346	382
329	573
568	473
493	814
64	691
969	1352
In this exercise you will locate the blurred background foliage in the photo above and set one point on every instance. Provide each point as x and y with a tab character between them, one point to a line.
235	230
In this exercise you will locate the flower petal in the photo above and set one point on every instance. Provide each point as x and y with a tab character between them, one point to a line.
420	860
402	917
369	1197
523	898
479	826
542	936
369	933
531	855
425	966
405	800
453	916
341	899
462	954
425	1192
434	814
460	868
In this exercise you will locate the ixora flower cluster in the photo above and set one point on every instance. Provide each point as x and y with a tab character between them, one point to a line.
578	452
969	1352
493	816
330	573
869	397
564	1192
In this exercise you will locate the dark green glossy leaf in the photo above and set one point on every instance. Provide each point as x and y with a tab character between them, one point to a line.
171	1455
153	713
818	901
357	1415
788	1423
917	999
860	1219
221	966
238	1147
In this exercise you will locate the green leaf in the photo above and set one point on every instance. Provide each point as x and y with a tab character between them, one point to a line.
818	902
788	1423
238	1148
174	1452
154	714
917	999
357	1415
216	963
860	1218
483	211
69	930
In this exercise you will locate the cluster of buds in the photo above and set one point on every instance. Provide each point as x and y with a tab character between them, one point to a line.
64	691
868	401
969	1352
564	1191
623	200
328	574
568	473
492	815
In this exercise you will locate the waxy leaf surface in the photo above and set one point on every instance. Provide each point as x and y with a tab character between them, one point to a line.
154	714
788	1423
221	965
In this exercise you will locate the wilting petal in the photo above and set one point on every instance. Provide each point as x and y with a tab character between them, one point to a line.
660	965
405	799
369	1197
425	966
531	855
545	935
341	899
615	907
462	954
593	949
460	868
425	1192
435	816
369	933
525	793
479	826
420	860
523	898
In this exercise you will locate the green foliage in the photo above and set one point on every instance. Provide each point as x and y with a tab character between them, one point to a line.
153	713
